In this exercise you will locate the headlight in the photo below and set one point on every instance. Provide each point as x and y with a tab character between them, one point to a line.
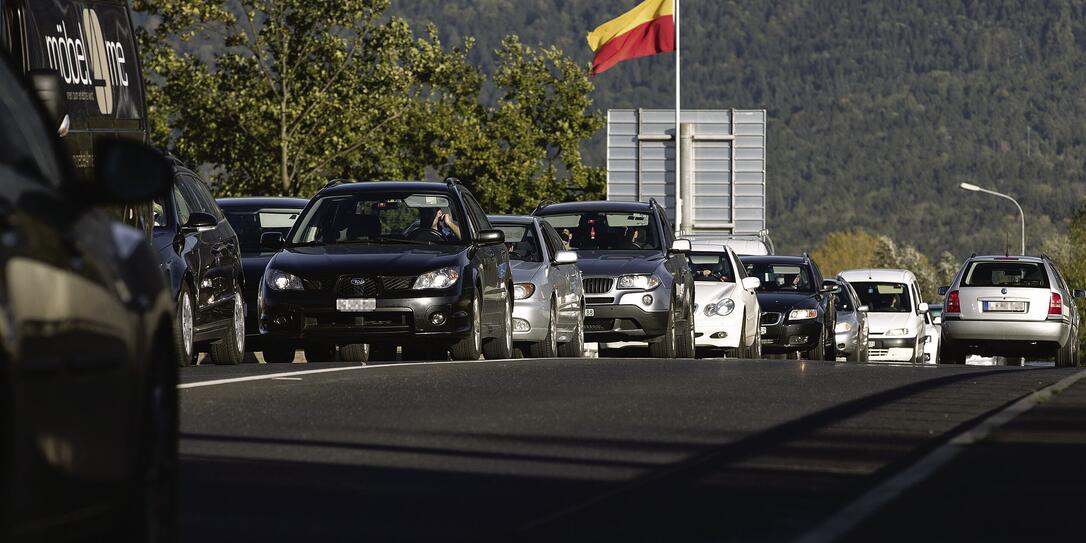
842	327
523	290
802	314
898	332
723	308
443	278
281	280
638	282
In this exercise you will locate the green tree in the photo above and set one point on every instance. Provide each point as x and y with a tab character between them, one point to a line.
889	254
846	250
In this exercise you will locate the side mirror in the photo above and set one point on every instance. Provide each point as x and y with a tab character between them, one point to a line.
128	172
200	221
272	241
751	283
922	308
46	85
490	237
830	289
863	308
565	257
681	246
1078	293
937	321
943	291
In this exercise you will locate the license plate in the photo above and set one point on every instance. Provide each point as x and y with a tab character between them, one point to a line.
356	305
761	330
871	344
589	312
1009	307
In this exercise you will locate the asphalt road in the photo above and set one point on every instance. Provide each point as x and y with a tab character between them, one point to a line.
552	450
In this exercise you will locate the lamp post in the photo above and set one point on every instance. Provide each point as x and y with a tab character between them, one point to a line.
973	188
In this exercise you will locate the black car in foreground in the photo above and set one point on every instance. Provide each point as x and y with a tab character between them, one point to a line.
251	218
409	264
88	388
199	254
637	281
797	306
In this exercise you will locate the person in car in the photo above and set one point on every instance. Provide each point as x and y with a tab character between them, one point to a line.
440	221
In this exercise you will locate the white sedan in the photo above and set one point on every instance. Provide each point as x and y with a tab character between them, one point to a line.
726	311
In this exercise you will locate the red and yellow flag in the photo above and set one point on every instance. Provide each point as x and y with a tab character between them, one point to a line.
645	30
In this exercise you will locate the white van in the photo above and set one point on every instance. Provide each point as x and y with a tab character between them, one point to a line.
895	314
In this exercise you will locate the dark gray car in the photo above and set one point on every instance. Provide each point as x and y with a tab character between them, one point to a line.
851	329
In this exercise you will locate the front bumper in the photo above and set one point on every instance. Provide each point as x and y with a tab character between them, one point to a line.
718	331
622	315
891	349
788	337
306	315
1055	331
536	312
848	343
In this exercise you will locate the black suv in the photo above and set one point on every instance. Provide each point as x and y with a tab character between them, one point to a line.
637	281
199	254
388	264
797	304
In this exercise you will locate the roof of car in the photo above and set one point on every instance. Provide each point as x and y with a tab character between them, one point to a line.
515	219
262	201
773	259
878	274
1006	257
360	186
706	247
597	205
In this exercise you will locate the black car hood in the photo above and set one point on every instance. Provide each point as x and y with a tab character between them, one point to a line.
615	263
391	259
780	302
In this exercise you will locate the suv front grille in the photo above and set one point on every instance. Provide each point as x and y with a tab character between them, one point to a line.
771	319
397	283
593	324
346	287
598	285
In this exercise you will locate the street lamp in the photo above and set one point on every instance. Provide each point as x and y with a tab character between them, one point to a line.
973	188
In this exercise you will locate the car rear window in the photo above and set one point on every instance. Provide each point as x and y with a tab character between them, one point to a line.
1005	274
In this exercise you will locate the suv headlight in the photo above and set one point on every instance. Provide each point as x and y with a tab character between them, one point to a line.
722	308
802	314
897	332
281	280
523	290
638	282
443	278
842	327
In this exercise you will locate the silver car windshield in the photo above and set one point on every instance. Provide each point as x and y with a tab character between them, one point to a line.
522	242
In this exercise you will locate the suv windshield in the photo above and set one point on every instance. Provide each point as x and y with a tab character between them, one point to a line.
884	297
781	277
711	267
522	242
595	231
1005	274
250	224
380	217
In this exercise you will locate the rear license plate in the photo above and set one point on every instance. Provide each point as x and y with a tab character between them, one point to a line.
589	312
761	330
356	305
1005	307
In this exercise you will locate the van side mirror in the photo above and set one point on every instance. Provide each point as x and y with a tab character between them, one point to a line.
751	283
943	291
565	257
272	241
128	172
47	87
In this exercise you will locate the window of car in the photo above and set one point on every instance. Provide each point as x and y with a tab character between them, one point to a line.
184	209
1005	273
781	277
884	297
252	223
551	238
600	231
522	242
478	218
380	217
712	267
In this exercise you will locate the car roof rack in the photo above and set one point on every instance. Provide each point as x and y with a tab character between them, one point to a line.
543	204
453	181
336	183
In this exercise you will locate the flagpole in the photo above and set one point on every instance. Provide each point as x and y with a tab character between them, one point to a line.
678	105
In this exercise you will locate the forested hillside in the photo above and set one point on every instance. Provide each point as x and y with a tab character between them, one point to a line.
878	109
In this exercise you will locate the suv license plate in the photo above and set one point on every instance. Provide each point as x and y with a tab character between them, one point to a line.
1010	307
761	330
589	312
356	305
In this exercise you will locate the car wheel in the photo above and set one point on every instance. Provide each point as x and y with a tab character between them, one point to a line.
684	347
819	352
183	328
665	346
317	352
355	352
1065	356
471	346
574	348
854	356
230	350
829	348
548	348
501	347
279	355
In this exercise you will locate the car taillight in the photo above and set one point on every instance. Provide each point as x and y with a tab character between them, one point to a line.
953	304
1055	307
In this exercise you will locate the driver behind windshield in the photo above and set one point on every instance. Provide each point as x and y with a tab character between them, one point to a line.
438	223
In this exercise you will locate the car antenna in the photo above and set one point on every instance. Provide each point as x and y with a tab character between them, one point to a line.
543	204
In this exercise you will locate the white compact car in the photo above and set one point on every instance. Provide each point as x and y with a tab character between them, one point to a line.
896	314
726	310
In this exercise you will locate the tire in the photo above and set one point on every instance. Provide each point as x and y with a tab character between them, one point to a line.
382	353
741	352
548	348
1065	356
500	348
948	354
854	356
279	355
684	339
574	348
317	352
230	350
665	347
819	352
830	348
183	327
355	352
471	346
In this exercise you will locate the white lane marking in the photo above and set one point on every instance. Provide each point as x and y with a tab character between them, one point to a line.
286	378
873	500
289	374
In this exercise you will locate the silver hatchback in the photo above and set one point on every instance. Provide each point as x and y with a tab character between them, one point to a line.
548	306
1010	306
